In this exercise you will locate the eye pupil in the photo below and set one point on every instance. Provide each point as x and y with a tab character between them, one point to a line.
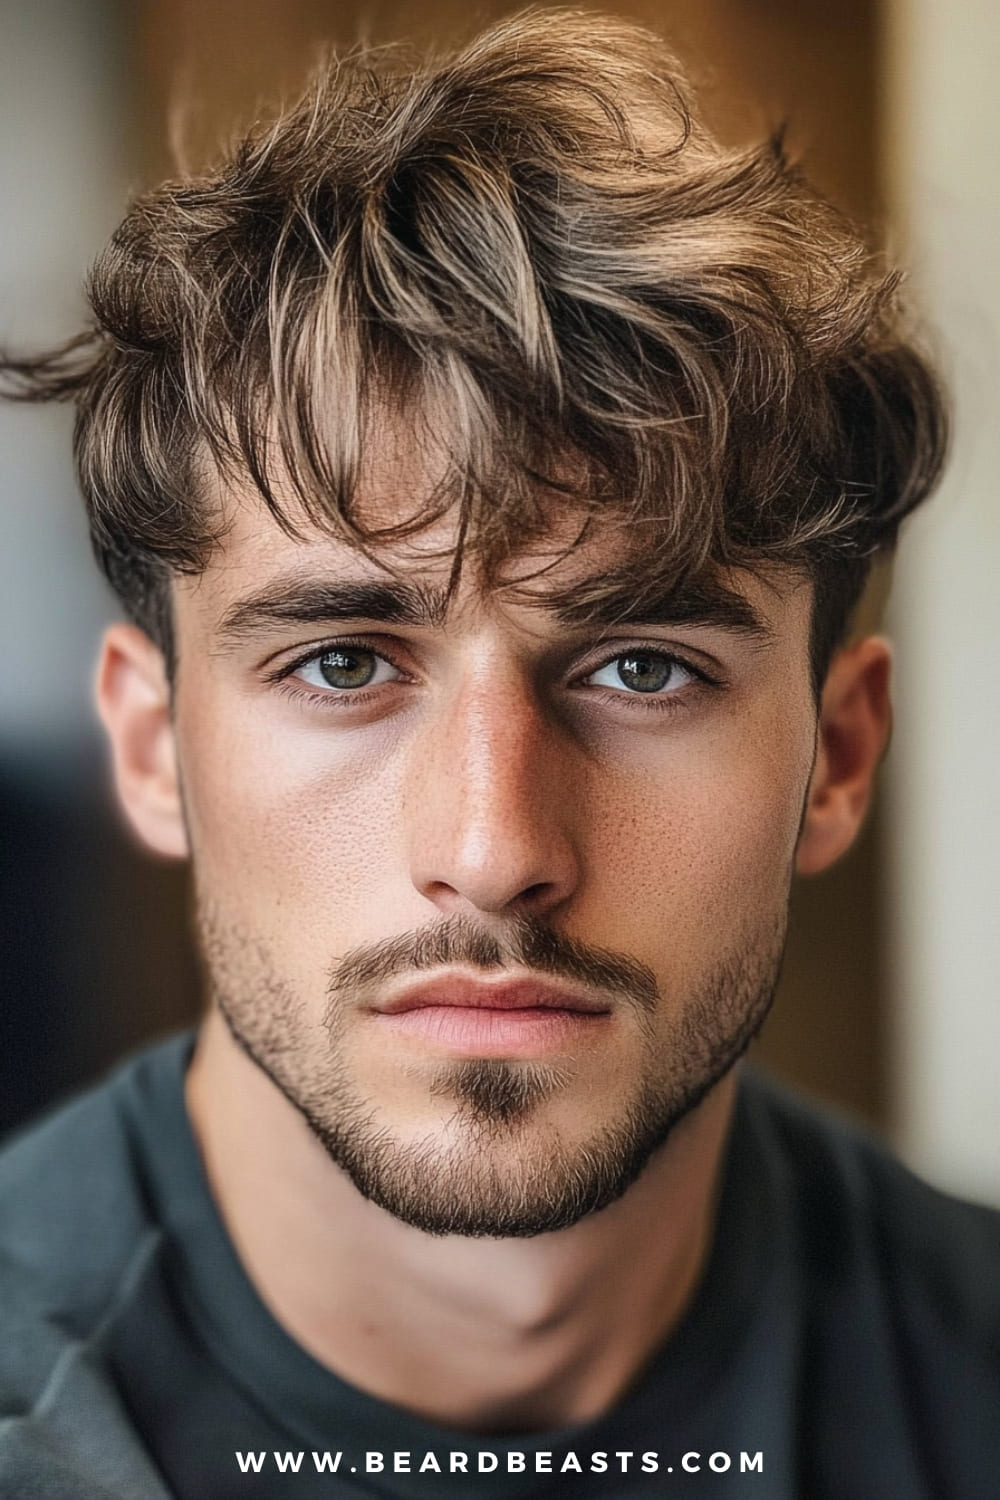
347	668
644	674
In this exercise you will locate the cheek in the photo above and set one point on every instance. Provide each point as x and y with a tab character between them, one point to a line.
282	824
705	842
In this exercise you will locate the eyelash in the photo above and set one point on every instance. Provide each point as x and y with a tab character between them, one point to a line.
284	677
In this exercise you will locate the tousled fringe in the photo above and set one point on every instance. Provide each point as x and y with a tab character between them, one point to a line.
536	259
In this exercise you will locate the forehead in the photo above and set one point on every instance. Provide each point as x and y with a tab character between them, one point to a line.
549	539
568	547
582	573
584	564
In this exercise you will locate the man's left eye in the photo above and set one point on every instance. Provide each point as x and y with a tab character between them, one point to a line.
345	667
643	672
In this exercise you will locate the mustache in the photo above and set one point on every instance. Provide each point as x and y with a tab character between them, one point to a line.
522	942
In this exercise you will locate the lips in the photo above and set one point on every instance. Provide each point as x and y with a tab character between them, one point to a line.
465	1016
494	995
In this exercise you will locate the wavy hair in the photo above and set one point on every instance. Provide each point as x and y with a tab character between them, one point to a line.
534	252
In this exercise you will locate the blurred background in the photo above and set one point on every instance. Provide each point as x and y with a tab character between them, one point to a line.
888	1004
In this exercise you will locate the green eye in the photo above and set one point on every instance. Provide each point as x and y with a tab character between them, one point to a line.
643	672
347	668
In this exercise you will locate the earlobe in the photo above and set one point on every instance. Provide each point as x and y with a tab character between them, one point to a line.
133	700
854	725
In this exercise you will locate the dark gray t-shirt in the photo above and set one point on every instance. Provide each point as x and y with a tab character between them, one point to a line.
844	1341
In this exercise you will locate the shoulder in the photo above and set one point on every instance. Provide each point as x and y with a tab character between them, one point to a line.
63	1184
74	1219
900	1285
76	1233
853	1197
72	1204
890	1294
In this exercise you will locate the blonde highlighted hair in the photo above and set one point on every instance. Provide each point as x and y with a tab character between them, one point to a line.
534	249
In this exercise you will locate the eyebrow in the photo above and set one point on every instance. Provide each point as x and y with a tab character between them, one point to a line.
298	602
698	602
590	604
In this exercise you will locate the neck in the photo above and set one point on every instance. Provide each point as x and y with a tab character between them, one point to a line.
486	1335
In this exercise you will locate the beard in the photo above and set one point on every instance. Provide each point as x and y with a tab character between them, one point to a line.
496	1168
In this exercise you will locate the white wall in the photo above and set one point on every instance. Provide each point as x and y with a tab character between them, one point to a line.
61	188
944	781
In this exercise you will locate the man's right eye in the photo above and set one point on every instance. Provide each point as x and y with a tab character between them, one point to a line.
346	667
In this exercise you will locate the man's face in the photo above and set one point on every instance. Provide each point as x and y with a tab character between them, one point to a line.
493	896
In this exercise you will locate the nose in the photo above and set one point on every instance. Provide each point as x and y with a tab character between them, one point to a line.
491	800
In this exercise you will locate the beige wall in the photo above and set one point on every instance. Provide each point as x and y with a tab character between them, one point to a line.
944	930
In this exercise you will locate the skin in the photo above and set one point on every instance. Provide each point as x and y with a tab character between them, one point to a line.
498	770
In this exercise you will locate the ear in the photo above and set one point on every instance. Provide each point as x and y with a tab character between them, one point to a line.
133	700
855	721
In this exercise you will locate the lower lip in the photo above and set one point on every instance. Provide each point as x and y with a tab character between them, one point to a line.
478	1031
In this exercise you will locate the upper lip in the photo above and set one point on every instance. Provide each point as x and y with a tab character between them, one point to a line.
496	994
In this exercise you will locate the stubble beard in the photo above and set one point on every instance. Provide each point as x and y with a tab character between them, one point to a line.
495	1169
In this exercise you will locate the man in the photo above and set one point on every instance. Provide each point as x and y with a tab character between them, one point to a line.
488	463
